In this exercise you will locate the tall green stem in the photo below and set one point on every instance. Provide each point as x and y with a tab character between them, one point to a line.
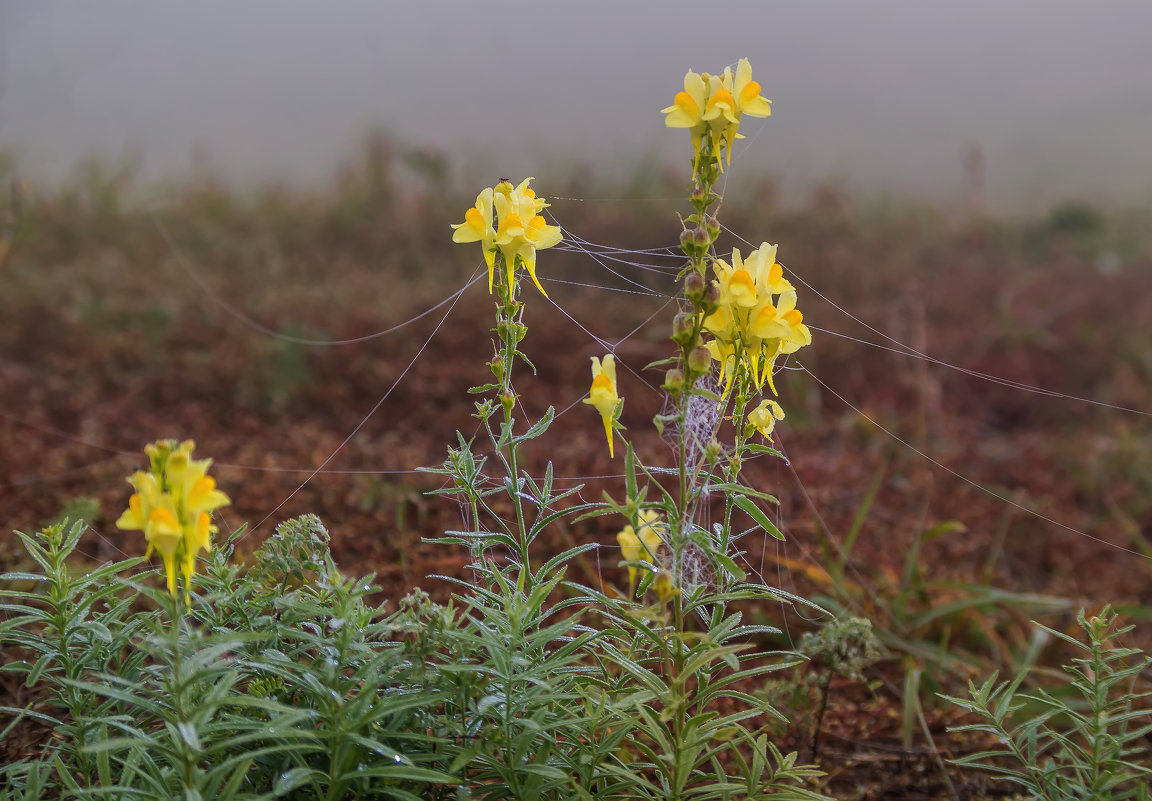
511	330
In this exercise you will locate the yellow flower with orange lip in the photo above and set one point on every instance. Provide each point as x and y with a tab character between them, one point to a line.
765	416
163	532
687	111
783	322
642	545
665	587
603	394
477	227
742	96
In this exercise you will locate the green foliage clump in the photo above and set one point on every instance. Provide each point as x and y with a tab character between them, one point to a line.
1082	741
279	682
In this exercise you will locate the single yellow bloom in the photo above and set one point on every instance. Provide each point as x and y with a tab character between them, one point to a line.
687	111
195	490
765	416
747	93
769	276
665	588
163	533
724	353
174	462
143	501
746	99
603	394
643	546
721	323
133	518
477	227
196	537
784	322
741	289
537	236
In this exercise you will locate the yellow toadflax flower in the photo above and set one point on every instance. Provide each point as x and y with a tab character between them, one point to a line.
477	227
172	506
642	546
687	111
603	394
783	322
764	417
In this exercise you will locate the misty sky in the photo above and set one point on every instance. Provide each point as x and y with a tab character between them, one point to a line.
883	94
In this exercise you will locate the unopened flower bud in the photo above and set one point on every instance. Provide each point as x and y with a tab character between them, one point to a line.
699	359
674	380
694	286
711	299
712	225
507	400
702	237
683	328
497	367
687	243
712	451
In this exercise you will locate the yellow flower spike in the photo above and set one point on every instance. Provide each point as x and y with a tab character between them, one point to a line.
521	231
603	394
764	417
171	505
712	105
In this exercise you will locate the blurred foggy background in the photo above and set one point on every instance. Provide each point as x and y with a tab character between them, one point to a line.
883	97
